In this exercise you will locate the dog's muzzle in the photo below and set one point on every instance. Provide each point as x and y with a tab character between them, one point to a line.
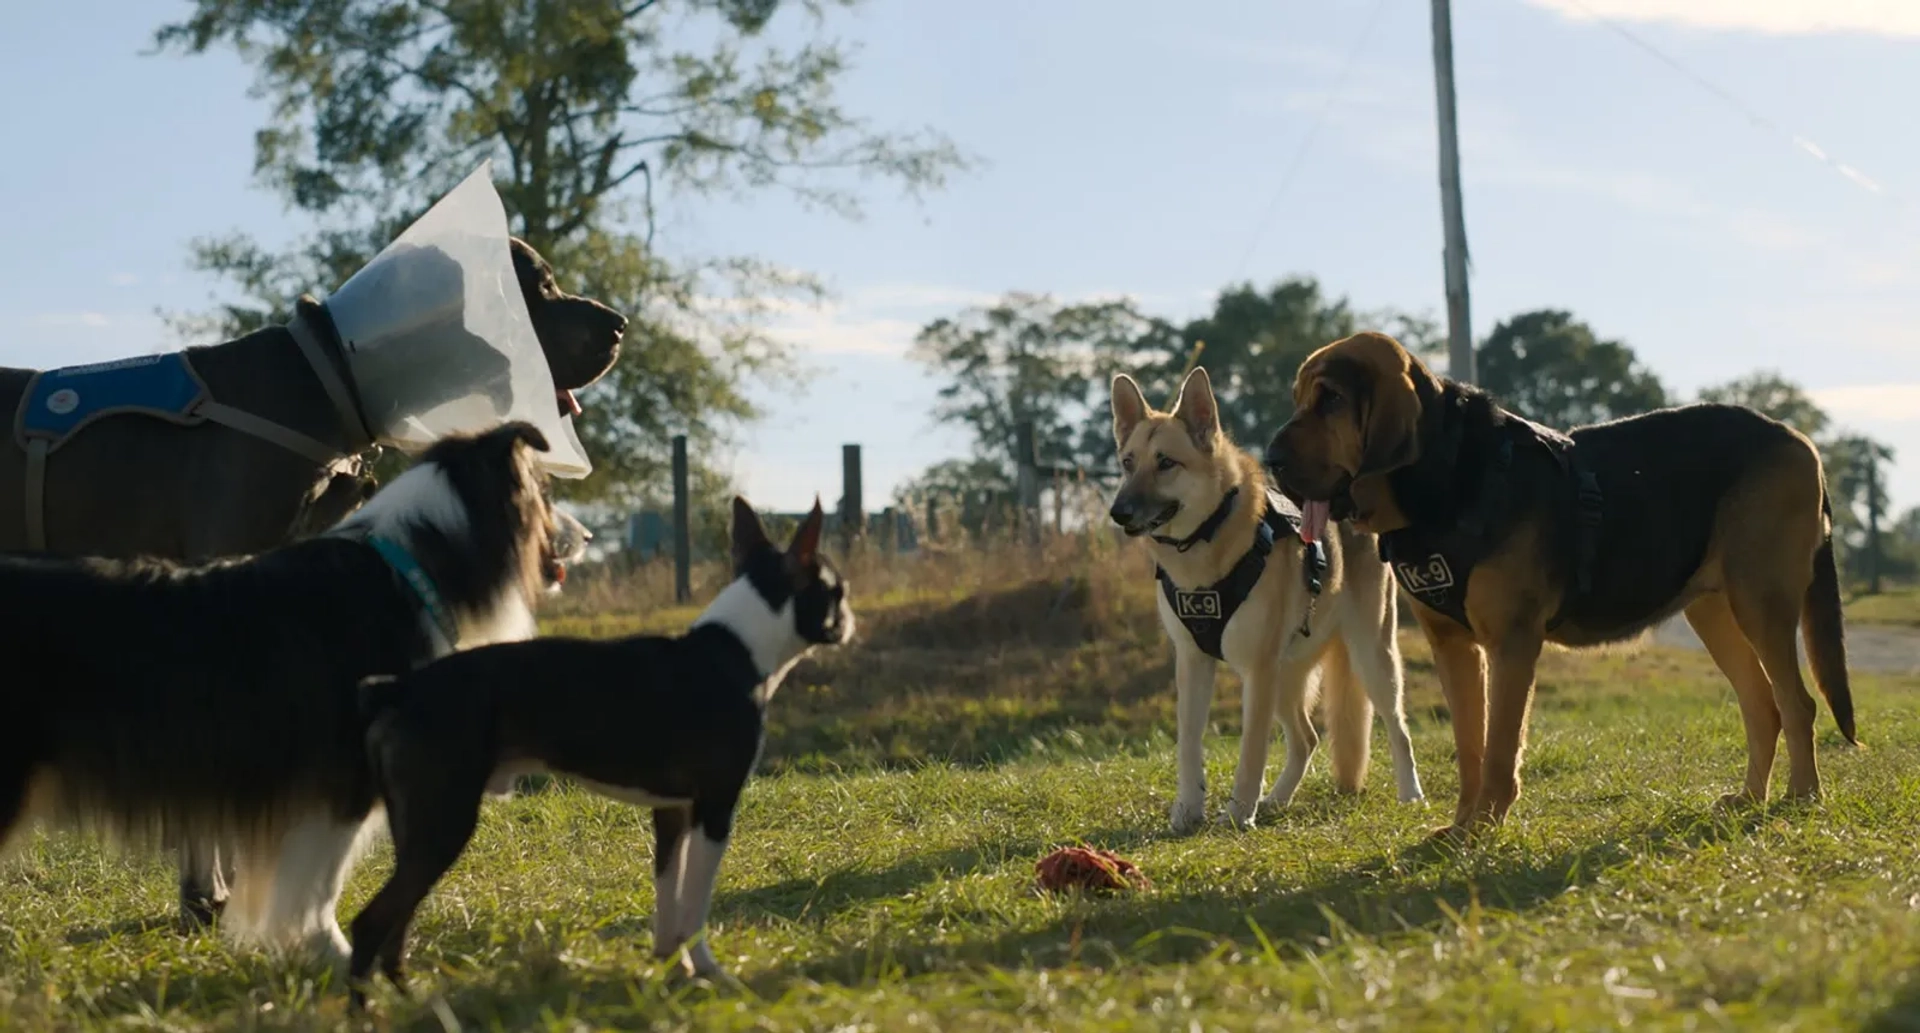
1278	461
1137	516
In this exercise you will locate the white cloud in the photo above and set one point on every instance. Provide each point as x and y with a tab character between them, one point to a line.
1879	403
883	319
919	296
832	330
95	320
1775	17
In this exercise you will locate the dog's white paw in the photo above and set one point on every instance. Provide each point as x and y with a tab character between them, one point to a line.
1241	816
700	962
1414	796
329	947
1187	815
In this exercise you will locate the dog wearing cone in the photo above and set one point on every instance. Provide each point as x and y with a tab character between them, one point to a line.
1298	606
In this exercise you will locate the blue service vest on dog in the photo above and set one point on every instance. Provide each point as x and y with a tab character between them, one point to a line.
63	400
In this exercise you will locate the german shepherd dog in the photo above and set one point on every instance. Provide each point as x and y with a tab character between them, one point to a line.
1205	507
220	703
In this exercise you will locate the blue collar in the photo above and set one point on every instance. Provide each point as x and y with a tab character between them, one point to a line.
409	570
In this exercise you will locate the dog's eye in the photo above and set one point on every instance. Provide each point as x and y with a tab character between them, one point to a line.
1165	463
1330	402
1126	462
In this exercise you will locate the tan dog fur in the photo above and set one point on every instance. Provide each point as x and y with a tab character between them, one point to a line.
1183	457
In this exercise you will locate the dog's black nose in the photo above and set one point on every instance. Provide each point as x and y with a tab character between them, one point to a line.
1122	512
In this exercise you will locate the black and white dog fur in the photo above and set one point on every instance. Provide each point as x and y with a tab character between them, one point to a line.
158	704
670	723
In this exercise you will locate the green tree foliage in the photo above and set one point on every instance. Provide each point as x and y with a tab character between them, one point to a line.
1030	357
1770	392
1552	369
1253	342
595	110
1027	357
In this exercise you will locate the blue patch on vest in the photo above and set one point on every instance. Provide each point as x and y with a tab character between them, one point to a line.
63	400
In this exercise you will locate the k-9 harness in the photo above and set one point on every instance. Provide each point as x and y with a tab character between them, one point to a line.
1205	611
1434	564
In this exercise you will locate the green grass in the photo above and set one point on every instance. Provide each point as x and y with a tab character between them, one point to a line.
881	874
1899	606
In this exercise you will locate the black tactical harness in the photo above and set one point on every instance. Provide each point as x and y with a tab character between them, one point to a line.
1434	565
1205	611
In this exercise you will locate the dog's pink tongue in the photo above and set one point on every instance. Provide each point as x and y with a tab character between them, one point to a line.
1314	520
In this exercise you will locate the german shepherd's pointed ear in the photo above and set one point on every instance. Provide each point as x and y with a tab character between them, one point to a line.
1196	408
748	536
806	540
1129	408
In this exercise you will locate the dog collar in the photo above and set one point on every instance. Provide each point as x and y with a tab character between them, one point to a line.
441	623
1208	527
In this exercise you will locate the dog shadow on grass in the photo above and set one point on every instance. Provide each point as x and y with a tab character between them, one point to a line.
820	899
1412	889
129	927
1383	896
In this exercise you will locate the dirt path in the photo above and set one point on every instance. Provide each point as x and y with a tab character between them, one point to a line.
1870	647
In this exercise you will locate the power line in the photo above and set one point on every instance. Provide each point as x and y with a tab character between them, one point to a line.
1753	116
1306	142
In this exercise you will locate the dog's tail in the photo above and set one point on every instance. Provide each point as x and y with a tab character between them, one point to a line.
1824	630
1349	719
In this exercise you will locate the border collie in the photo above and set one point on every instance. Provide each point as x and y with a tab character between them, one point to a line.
670	723
158	705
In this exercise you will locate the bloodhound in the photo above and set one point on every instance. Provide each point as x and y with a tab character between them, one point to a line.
1507	535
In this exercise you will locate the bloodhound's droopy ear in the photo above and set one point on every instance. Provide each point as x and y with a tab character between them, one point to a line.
1390	421
1196	408
1129	408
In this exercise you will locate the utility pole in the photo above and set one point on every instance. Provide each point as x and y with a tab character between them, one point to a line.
1460	364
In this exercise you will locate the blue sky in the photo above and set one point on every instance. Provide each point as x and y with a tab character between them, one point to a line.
1132	148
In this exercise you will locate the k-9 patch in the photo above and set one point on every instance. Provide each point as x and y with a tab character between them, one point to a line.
1202	604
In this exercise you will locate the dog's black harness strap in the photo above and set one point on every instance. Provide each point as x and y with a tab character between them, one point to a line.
267	430
37	494
308	338
1208	527
1588	508
1435	565
1205	611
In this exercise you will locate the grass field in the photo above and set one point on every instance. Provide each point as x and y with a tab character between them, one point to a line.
881	874
1897	605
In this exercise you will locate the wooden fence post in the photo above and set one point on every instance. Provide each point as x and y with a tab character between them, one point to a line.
852	512
1027	480
682	532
